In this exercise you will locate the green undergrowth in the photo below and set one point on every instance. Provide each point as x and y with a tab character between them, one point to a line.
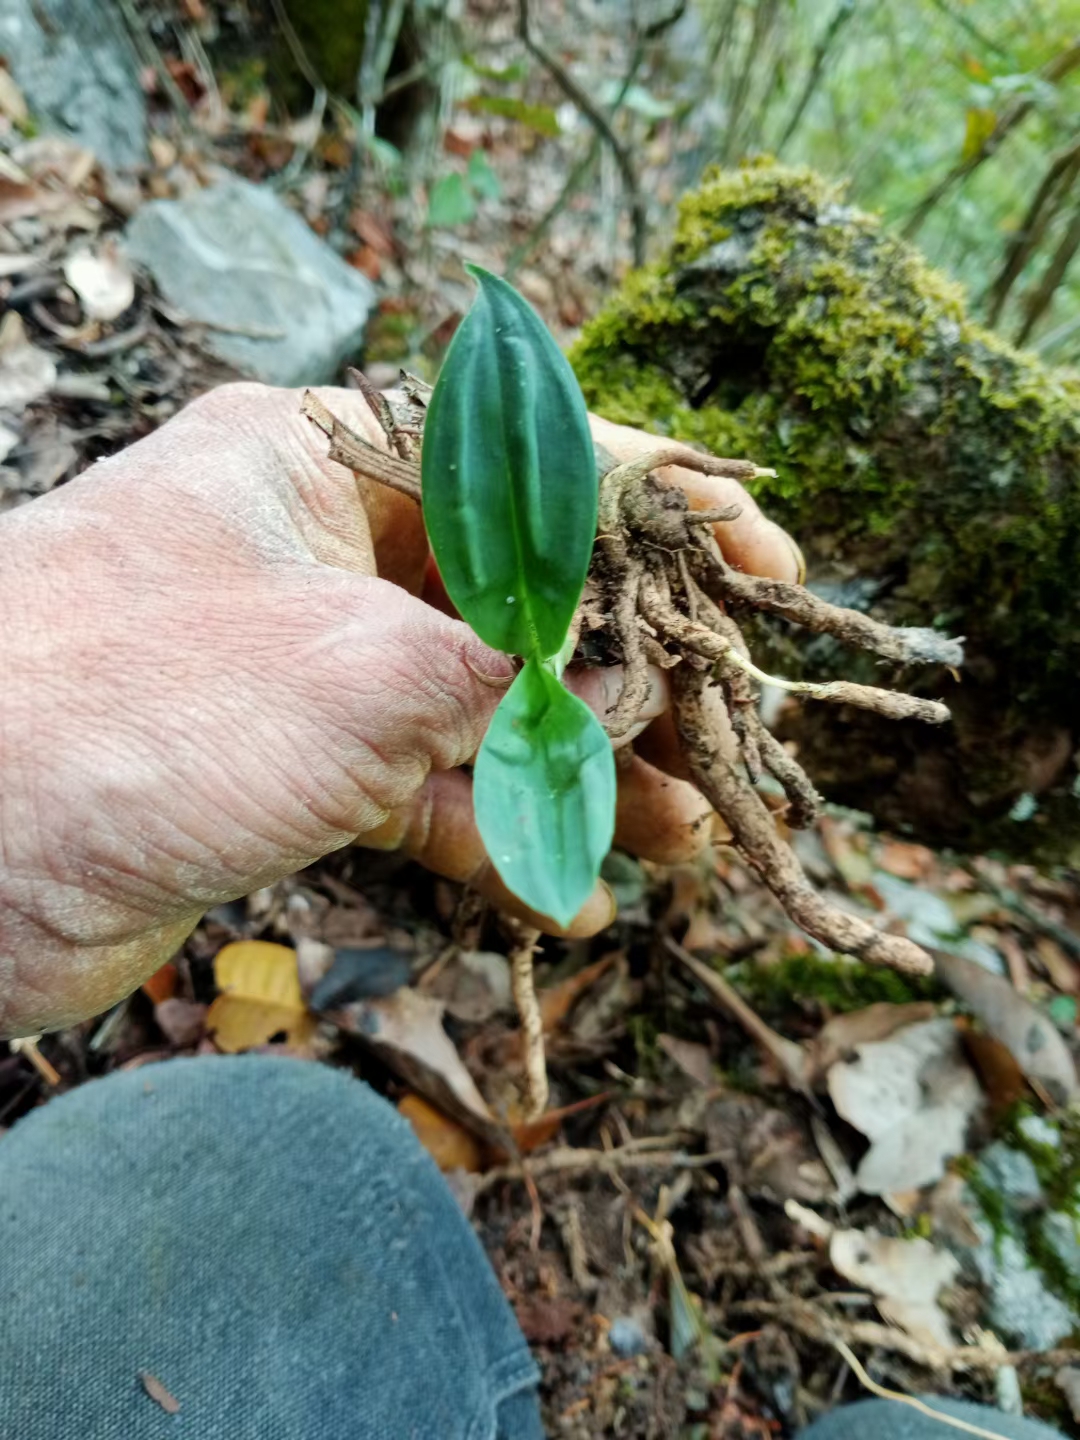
811	983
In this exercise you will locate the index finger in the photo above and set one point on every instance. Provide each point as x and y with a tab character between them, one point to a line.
752	542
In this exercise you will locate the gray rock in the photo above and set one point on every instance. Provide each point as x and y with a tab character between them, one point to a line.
77	67
627	1337
1040	1131
1060	1233
1022	1310
235	255
1011	1173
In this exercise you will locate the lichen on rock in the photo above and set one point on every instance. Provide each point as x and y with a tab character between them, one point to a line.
929	470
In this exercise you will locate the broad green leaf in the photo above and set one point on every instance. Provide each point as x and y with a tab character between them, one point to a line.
635	97
482	177
503	74
544	794
450	202
536	117
509	476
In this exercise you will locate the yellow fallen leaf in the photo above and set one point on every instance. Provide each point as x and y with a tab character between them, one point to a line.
260	997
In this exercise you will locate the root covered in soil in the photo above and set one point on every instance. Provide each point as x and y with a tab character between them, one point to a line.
660	592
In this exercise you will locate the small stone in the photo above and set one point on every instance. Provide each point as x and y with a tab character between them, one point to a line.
278	303
1011	1173
79	72
1039	1131
627	1337
1022	1310
1060	1233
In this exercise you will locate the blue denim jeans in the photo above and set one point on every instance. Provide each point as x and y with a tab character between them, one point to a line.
267	1240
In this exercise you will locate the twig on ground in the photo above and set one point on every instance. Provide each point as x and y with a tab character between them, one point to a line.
1012	900
790	1057
650	1152
815	1324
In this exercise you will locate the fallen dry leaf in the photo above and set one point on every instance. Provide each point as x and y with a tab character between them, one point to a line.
474	985
529	1135
765	1151
556	1001
905	1276
406	1031
1031	1036
1001	1077
912	1096
692	1058
26	372
102	280
162	984
16	264
548	1319
1063	971
844	1033
950	1213
905	861
19	198
261	997
157	1391
449	1144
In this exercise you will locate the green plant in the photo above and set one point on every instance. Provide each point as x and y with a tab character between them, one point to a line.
453	199
509	482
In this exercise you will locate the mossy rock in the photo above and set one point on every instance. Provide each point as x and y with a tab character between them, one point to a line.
929	470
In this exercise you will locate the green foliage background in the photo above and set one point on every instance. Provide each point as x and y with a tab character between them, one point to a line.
894	95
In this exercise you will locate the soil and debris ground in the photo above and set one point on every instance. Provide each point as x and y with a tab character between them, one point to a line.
699	1237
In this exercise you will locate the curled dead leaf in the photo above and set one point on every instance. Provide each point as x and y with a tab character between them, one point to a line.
26	371
1031	1036
905	1276
842	1034
102	279
912	1096
406	1031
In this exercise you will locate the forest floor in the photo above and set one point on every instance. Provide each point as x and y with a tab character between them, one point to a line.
749	1200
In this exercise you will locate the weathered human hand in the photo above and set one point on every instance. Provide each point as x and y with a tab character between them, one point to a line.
217	668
